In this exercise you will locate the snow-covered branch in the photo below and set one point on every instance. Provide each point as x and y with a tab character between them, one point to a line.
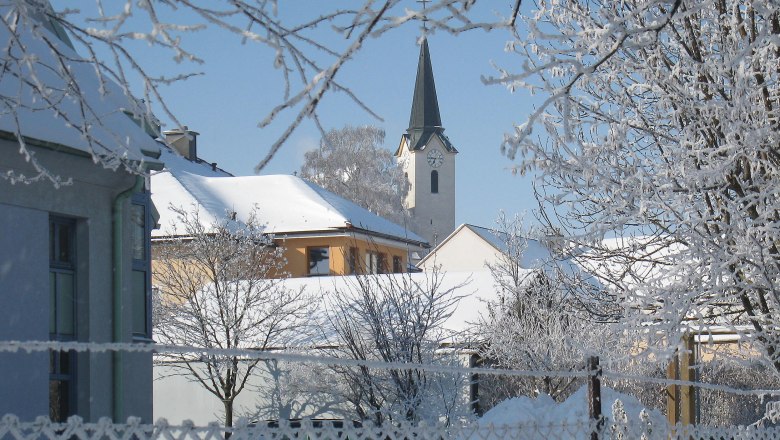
659	162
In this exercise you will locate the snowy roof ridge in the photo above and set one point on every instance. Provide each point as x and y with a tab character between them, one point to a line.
492	236
338	202
175	163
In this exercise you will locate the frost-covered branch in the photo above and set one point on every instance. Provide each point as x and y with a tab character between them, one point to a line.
534	321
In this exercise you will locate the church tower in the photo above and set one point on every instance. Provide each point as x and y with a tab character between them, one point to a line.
428	159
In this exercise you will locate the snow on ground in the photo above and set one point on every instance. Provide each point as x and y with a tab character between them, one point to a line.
542	417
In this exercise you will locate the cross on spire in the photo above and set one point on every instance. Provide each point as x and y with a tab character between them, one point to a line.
424	18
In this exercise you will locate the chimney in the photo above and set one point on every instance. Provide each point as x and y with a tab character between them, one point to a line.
183	140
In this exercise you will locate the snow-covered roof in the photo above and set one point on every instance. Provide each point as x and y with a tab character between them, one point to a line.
475	288
284	204
535	254
113	132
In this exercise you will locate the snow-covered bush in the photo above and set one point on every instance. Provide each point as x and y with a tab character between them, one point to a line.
534	323
542	417
722	408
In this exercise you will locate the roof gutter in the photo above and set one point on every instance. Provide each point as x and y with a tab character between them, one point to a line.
350	230
370	233
62	148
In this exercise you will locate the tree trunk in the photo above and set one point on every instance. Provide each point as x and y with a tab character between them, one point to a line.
228	416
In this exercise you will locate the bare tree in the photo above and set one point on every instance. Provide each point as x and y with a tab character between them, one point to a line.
352	163
215	291
660	123
396	318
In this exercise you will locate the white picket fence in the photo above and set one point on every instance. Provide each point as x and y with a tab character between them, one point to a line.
12	428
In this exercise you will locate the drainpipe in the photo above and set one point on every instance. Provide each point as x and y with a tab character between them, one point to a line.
118	283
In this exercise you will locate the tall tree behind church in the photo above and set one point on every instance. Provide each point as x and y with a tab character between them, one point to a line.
352	163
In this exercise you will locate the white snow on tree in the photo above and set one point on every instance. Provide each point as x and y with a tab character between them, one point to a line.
352	163
396	318
660	125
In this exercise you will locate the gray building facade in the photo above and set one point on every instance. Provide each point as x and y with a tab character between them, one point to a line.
59	279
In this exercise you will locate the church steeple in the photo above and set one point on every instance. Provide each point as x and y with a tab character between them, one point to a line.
425	120
425	104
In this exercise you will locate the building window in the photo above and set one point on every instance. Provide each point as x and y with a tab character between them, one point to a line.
62	316
352	260
434	182
376	262
62	385
372	262
319	261
141	282
397	266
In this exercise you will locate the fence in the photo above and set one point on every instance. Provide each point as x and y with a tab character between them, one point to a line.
612	421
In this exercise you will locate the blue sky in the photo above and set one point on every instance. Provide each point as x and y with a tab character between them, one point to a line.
240	86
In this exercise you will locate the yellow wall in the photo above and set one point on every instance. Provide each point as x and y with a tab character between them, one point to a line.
296	254
197	274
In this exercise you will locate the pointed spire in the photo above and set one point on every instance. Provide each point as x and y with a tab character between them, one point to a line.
425	106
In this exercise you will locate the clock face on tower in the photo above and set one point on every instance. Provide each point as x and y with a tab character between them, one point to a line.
435	158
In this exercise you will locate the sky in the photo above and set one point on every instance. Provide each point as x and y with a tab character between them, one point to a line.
240	85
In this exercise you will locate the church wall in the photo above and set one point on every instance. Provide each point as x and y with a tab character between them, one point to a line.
433	214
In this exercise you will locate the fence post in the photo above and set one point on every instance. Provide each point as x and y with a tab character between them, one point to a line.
475	360
673	391
688	374
594	395
681	399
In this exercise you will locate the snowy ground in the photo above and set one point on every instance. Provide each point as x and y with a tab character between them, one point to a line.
543	418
